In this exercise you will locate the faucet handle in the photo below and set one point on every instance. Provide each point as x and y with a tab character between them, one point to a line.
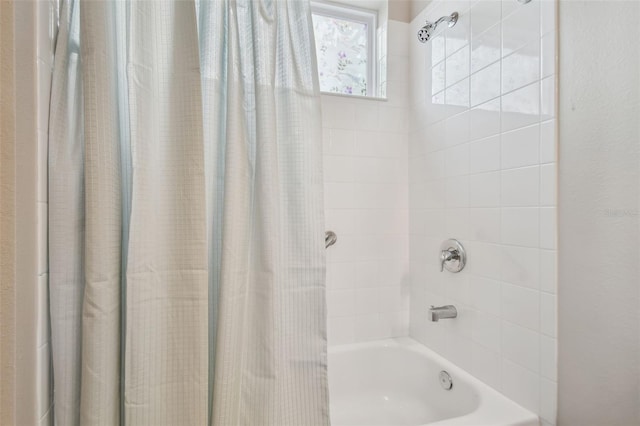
452	256
446	256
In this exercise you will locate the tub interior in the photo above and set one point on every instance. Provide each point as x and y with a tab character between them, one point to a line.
392	386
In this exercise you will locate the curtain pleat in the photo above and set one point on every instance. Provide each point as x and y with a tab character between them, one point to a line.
167	300
102	307
270	360
186	215
66	218
213	15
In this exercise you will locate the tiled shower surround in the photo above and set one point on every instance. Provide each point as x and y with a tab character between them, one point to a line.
464	148
483	170
366	204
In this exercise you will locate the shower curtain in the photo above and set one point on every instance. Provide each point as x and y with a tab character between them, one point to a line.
186	215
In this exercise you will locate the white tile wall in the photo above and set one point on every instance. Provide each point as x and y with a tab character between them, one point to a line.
482	169
366	204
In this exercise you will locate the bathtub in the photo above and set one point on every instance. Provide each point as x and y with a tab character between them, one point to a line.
396	382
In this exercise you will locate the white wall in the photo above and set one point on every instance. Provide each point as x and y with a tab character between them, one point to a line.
34	60
599	291
366	204
7	215
483	170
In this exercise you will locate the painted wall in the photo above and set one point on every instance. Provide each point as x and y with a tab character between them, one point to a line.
400	10
366	204
599	292
7	215
33	64
482	170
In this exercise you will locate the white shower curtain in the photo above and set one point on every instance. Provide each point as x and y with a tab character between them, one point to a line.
186	221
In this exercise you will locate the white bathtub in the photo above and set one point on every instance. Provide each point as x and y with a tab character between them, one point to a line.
395	383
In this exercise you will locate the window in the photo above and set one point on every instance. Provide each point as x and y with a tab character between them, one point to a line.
345	46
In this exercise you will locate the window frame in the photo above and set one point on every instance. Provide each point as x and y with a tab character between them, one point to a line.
361	16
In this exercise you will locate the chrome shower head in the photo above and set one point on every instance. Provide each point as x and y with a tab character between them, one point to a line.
425	33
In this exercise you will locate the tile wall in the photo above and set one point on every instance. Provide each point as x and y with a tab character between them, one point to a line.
482	169
366	204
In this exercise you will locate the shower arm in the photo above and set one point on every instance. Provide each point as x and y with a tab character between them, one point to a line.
451	19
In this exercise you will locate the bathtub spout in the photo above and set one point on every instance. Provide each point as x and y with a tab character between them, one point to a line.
442	312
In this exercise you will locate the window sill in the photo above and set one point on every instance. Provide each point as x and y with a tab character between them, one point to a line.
368	98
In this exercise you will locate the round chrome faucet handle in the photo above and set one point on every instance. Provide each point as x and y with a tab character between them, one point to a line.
446	256
452	256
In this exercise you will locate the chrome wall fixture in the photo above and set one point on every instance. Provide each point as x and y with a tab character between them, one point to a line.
425	33
330	238
445	380
436	313
453	257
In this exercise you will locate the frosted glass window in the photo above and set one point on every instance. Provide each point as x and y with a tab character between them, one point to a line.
344	39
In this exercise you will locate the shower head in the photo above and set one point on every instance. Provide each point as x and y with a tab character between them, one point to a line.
425	33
